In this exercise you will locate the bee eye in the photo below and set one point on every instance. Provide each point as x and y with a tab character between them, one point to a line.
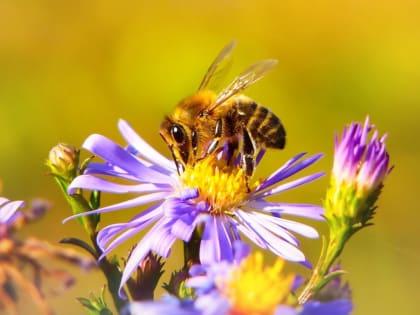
178	133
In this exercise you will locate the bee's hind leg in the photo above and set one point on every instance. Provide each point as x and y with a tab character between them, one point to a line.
248	153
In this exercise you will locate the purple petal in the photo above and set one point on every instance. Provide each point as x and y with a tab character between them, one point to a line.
96	183
299	210
159	307
134	226
8	210
271	224
291	169
246	229
142	147
296	227
336	307
112	230
241	250
163	239
142	249
216	242
184	227
273	242
267	182
136	257
109	170
213	304
116	155
174	208
286	186
285	310
135	202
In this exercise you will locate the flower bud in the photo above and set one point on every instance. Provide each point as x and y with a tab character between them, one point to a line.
63	161
360	167
148	274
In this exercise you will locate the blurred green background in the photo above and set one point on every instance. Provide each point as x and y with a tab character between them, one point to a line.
72	68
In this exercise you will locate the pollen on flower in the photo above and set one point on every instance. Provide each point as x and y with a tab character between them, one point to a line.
221	185
253	288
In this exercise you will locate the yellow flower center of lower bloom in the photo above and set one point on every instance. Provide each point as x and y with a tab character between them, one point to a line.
221	185
254	289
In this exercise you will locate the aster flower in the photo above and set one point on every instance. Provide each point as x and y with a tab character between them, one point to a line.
242	286
16	256
360	168
211	193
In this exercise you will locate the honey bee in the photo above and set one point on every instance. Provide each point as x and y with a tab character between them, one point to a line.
206	121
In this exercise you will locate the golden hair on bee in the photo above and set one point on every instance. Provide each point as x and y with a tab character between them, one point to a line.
206	120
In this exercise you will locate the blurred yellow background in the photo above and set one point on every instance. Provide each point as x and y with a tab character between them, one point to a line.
72	68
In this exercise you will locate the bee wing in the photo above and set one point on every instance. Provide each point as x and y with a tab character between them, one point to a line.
216	69
247	78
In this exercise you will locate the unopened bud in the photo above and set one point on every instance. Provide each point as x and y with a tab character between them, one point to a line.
148	274
360	167
63	161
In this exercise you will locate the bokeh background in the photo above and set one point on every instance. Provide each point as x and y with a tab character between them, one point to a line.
72	68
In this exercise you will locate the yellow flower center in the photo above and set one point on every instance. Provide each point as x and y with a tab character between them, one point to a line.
253	289
221	185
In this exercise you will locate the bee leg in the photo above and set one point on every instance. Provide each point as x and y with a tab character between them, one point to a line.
248	153
179	166
217	135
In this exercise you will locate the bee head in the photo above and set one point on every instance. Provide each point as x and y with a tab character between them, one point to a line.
180	139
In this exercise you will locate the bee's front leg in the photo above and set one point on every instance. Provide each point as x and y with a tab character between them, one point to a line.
218	129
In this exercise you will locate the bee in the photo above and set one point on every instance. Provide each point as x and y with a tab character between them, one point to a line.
207	121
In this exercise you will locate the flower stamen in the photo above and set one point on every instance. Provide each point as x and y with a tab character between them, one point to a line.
253	288
221	185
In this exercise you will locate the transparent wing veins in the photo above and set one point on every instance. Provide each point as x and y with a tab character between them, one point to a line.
251	75
215	67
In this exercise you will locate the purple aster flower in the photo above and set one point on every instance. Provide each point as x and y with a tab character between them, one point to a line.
239	287
210	193
360	167
246	286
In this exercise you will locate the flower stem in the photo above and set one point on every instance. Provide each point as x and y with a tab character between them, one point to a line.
110	269
321	274
192	249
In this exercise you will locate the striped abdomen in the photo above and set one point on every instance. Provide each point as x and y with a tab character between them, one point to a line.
266	128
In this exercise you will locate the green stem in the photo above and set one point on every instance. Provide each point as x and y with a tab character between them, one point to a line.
326	259
192	249
110	270
112	275
78	205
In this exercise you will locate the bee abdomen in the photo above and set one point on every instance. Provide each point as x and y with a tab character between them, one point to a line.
265	127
